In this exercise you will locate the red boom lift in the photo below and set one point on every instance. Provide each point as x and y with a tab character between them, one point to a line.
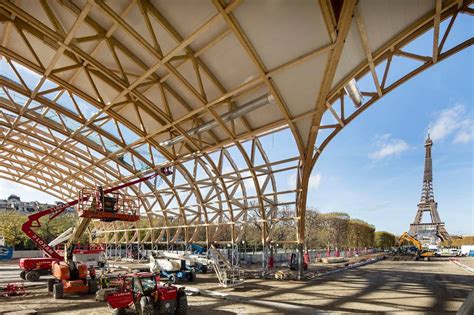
106	205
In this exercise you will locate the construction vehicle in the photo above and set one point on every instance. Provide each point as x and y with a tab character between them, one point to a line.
421	253
6	252
106	205
71	276
143	291
172	267
164	262
199	265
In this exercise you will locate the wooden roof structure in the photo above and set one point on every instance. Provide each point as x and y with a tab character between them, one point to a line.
96	92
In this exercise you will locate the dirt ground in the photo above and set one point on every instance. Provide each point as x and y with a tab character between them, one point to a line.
433	287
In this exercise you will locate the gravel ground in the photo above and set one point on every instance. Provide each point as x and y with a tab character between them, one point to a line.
437	287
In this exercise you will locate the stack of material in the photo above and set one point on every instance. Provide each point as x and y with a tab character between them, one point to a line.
283	274
332	260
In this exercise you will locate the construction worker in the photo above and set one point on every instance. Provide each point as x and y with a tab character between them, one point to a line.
103	280
271	262
166	171
306	260
99	196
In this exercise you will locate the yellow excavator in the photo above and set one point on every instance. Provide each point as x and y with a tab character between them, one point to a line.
421	253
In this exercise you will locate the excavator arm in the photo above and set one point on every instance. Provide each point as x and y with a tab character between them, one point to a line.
421	253
407	237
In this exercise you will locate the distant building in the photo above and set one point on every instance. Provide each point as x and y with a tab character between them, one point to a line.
14	203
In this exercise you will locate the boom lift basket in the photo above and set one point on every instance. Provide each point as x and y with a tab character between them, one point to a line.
108	207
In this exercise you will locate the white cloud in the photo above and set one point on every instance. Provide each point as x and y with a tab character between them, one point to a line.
292	181
464	136
26	193
314	181
388	146
453	121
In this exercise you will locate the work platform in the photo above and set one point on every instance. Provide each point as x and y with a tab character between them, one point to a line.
108	207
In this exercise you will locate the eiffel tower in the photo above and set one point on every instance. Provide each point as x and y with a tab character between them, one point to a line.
435	229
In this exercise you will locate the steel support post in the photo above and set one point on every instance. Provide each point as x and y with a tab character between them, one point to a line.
300	261
141	251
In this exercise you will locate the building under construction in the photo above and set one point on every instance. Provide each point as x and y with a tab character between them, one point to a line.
185	99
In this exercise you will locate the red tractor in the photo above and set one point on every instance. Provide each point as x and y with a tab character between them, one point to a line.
144	292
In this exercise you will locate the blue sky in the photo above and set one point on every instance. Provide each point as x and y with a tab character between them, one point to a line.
373	169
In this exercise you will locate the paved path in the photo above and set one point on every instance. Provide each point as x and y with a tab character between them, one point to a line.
467	261
433	287
437	287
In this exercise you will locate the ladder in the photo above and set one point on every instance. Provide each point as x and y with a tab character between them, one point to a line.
228	274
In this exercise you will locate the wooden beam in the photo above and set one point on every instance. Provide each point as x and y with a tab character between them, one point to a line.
365	45
436	31
304	173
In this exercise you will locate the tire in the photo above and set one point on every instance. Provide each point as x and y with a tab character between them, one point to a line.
32	276
118	311
92	285
23	274
182	305
51	283
172	278
192	276
58	291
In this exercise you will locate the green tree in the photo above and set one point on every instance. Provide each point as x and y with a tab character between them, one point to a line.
361	234
11	222
384	239
10	228
334	228
312	226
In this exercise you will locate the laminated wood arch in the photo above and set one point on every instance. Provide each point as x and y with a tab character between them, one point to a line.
100	92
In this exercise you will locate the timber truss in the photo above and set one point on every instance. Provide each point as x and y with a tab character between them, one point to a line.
98	93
